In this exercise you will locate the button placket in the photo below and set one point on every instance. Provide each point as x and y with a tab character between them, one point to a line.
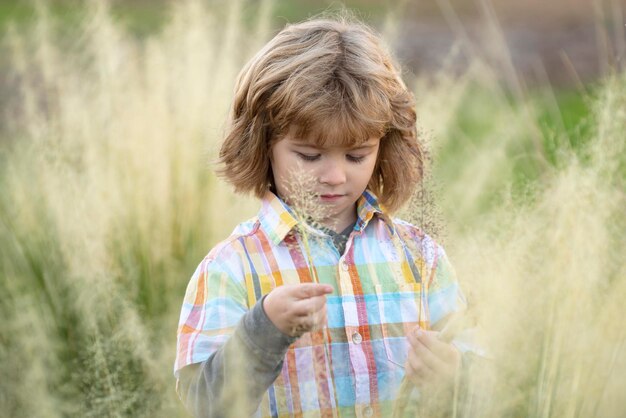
355	347
343	276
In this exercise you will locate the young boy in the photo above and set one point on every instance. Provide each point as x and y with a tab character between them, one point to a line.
309	314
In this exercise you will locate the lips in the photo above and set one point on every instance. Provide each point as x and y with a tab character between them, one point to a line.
331	197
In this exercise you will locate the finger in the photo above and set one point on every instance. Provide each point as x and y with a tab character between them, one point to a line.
309	290
428	357
411	373
417	331
417	370
319	320
309	306
311	322
443	350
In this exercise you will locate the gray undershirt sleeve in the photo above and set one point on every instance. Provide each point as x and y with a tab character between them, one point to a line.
237	375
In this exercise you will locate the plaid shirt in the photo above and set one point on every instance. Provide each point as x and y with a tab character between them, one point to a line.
390	278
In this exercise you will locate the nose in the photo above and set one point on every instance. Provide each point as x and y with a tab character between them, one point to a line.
333	173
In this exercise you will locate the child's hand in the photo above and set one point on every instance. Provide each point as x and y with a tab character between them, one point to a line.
296	309
431	362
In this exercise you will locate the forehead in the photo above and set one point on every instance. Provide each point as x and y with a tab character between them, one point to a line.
312	142
333	135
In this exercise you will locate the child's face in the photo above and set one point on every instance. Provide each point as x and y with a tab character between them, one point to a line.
338	174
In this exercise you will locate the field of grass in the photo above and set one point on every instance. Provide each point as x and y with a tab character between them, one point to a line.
108	202
144	17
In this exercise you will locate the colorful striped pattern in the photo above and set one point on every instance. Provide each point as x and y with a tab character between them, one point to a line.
391	278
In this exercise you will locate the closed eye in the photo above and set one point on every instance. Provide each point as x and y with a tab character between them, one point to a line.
308	157
355	158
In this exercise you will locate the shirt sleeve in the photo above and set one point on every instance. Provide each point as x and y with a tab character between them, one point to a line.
215	301
448	304
445	296
240	372
227	354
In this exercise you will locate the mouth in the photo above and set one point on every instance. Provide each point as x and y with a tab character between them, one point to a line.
331	197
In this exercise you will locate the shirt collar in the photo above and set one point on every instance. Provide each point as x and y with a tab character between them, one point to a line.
366	207
277	219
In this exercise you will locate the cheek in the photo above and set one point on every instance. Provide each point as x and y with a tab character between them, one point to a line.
286	171
277	164
279	175
282	169
368	171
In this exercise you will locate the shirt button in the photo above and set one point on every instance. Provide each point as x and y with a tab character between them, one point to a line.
368	411
356	338
344	266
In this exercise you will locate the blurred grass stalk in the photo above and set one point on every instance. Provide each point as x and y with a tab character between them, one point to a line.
108	203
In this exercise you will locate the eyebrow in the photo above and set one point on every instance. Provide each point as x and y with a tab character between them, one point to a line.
364	146
311	145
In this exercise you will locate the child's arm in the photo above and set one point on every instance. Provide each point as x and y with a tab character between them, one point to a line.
239	373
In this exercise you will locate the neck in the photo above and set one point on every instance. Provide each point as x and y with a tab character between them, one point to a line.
339	224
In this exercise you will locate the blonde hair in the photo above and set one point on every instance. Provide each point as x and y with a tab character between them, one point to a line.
332	80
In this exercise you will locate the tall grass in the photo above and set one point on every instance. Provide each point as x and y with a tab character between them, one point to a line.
546	275
108	203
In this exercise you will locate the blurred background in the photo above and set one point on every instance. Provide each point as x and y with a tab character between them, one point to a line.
111	114
557	42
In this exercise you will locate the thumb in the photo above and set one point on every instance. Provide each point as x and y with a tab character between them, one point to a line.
309	290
